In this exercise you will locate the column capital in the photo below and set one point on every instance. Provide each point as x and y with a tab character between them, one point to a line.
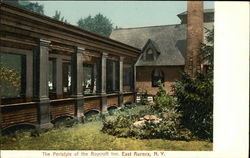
44	43
104	54
80	50
121	58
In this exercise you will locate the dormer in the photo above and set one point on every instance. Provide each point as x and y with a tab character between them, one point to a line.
150	51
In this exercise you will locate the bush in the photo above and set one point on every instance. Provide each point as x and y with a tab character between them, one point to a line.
168	128
121	124
162	100
195	96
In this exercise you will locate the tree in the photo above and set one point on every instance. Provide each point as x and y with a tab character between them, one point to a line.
58	17
207	51
98	24
10	81
195	95
31	6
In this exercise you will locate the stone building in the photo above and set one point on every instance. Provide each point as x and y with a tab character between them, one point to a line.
163	50
59	70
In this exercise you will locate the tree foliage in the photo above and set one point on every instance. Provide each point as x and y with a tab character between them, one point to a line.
195	96
58	17
31	6
10	81
99	24
163	101
207	51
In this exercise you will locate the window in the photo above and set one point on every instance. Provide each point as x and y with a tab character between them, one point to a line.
149	54
157	75
127	76
66	79
52	78
88	78
12	76
52	75
112	73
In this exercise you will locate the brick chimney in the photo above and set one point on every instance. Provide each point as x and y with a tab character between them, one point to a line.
194	37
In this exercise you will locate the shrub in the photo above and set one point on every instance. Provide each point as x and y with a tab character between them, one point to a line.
118	125
195	96
168	128
162	100
121	124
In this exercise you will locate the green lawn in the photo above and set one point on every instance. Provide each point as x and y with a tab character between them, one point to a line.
89	137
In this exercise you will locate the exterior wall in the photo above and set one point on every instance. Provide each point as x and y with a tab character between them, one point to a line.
92	104
112	101
144	76
12	115
40	38
128	98
62	108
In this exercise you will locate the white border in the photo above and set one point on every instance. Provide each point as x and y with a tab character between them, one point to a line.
231	108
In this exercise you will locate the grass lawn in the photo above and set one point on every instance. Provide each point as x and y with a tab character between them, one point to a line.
89	137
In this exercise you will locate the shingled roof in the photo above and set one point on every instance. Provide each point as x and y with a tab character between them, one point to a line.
170	40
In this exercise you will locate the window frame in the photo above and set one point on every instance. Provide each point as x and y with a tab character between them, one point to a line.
92	79
155	79
66	63
23	76
52	92
149	57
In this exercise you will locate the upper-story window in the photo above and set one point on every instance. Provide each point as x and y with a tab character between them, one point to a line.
12	76
150	54
157	75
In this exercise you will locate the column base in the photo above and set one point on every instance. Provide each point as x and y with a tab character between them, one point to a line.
120	101
135	95
79	103
104	108
45	126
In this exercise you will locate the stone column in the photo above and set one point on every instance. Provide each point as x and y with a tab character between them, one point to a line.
194	37
103	72
40	83
121	80
103	82
76	81
59	77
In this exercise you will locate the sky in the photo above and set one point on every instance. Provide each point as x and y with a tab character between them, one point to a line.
124	14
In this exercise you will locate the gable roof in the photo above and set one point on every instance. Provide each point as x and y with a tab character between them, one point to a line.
152	44
170	40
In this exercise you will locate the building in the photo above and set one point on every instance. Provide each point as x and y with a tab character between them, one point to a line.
163	51
59	70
